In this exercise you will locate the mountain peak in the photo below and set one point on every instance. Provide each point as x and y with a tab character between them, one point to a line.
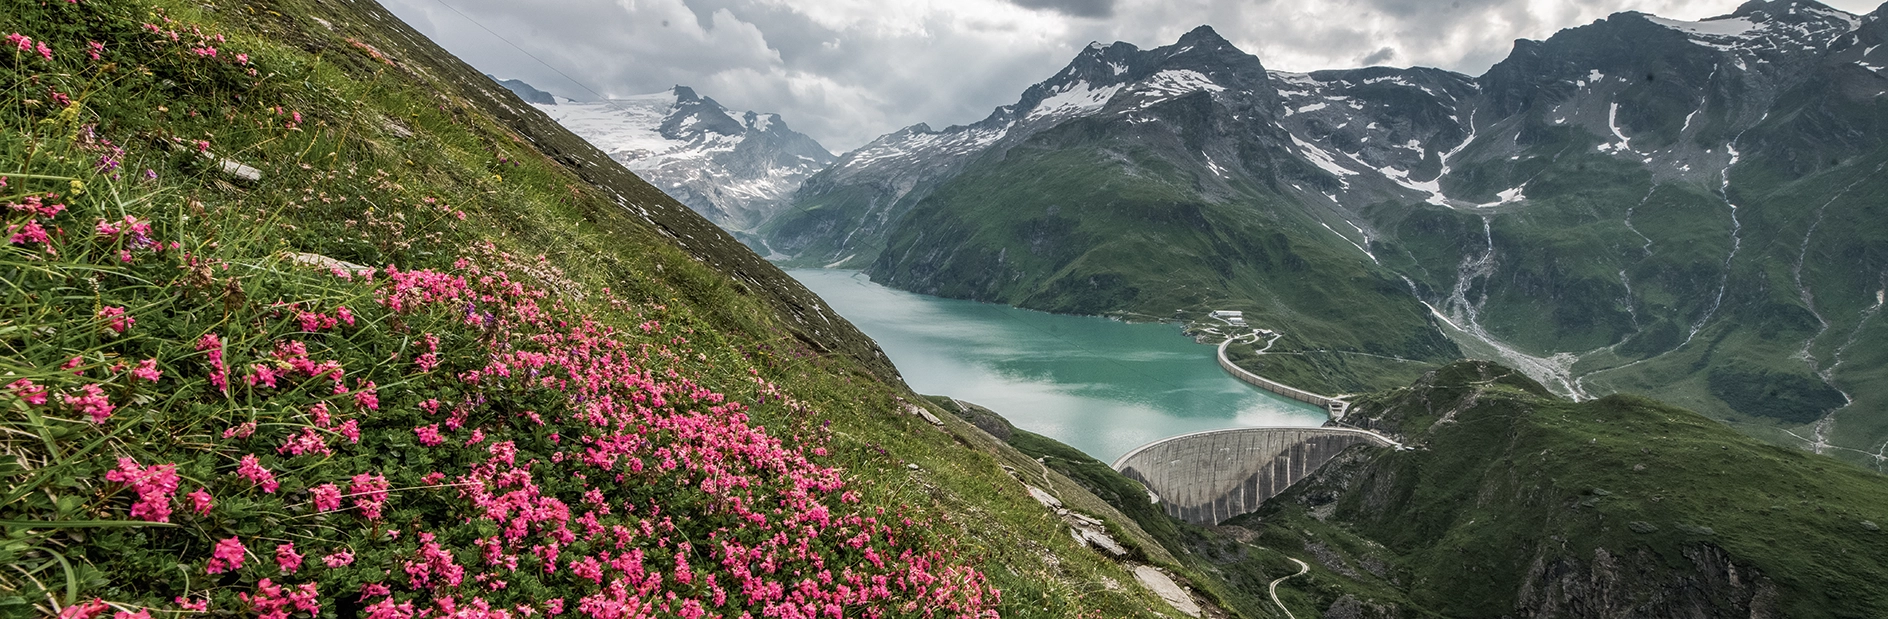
1204	36
525	91
684	94
1759	7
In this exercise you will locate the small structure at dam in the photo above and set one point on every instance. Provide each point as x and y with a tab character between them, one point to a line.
1208	477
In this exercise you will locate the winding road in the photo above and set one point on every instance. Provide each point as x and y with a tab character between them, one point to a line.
1302	570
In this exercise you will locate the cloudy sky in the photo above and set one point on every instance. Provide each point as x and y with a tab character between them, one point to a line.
847	71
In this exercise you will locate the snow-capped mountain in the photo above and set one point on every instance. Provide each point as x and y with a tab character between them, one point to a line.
842	214
1689	209
735	168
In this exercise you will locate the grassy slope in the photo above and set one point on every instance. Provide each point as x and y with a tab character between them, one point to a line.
1506	478
348	184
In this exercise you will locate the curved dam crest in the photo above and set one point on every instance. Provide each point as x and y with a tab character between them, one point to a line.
1206	478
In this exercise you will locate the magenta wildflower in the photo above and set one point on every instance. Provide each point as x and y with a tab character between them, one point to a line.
251	469
327	497
26	390
200	501
154	484
287	559
147	370
85	610
226	557
92	401
338	558
27	234
242	430
119	320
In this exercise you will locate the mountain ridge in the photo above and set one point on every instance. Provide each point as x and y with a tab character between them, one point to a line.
737	168
1595	208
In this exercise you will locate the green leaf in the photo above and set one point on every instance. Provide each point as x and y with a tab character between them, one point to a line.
80	524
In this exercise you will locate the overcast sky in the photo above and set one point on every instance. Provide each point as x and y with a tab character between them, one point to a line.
847	71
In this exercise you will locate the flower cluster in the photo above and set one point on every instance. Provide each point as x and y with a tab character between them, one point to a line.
154	484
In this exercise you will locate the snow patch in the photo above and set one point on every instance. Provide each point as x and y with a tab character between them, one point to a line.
1728	27
1079	98
1175	82
1510	196
1323	160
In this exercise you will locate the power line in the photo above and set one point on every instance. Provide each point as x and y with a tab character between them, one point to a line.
541	61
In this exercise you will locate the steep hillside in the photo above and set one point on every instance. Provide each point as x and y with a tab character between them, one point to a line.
1686	210
304	317
735	168
1519	503
1112	212
1514	502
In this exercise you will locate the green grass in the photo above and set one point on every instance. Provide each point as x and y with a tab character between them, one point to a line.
1514	479
397	140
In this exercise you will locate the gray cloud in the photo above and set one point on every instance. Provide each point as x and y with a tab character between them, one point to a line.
847	71
1377	57
1075	8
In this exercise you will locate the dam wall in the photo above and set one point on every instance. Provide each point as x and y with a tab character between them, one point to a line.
1335	406
1208	477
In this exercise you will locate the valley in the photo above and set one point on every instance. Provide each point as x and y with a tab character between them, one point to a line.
1639	205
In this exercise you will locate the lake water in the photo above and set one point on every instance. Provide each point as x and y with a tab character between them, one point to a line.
1101	386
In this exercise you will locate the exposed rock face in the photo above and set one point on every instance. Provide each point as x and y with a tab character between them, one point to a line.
1639	585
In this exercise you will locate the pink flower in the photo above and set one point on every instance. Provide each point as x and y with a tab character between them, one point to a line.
94	48
309	441
20	42
200	501
84	610
28	234
338	558
242	59
243	430
251	469
327	497
429	435
350	429
213	347
367	398
346	315
93	402
370	494
147	370
154	484
226	557
197	605
287	559
138	614
119	320
45	52
26	390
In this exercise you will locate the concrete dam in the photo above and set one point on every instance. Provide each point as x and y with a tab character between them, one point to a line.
1208	477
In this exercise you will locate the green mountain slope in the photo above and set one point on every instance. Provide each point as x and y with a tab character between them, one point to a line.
1515	502
303	316
1518	501
1684	210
